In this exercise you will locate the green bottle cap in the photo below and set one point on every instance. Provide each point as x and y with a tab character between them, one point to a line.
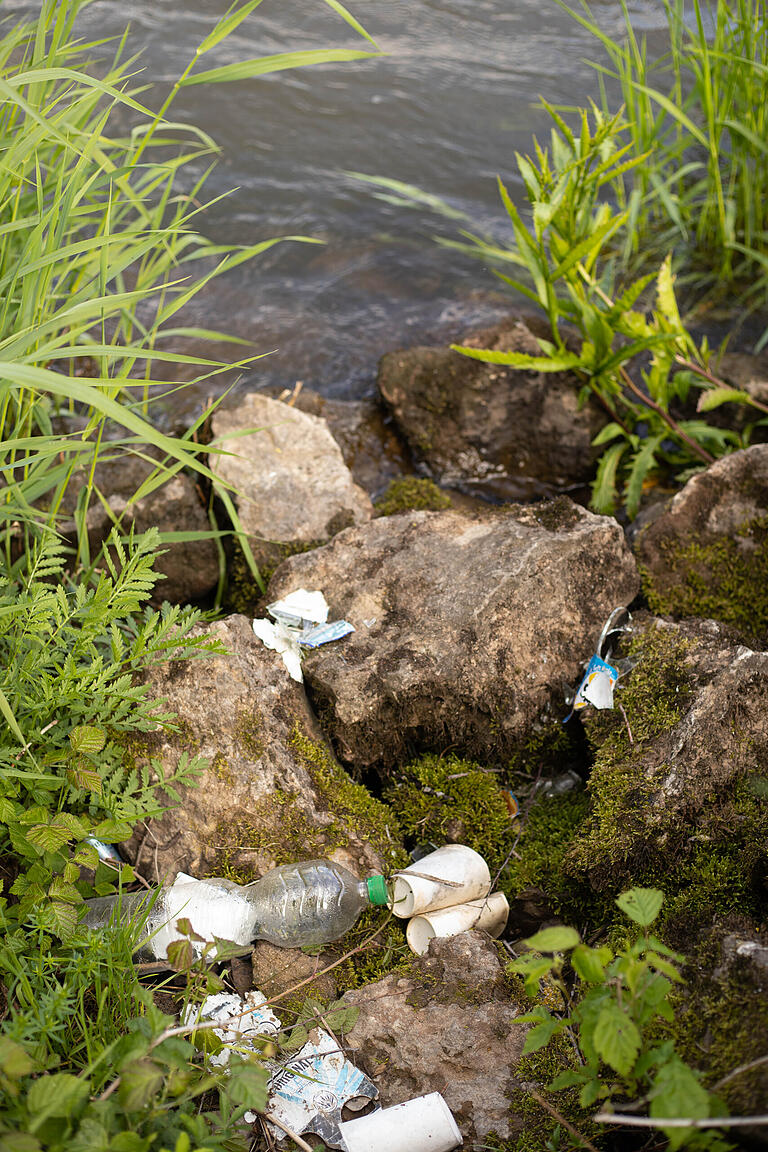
378	892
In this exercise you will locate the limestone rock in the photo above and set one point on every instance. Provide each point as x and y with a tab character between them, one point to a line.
292	487
496	431
277	970
271	793
466	627
705	553
682	800
448	1027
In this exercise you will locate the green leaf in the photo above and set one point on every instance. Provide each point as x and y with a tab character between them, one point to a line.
713	397
604	487
541	1034
139	1082
616	1038
557	939
248	1084
279	62
641	904
15	1061
48	838
610	432
589	963
55	1095
19	1142
563	362
181	955
87	740
231	19
677	1094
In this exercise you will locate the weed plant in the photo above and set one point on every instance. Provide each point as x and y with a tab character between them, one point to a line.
100	253
698	116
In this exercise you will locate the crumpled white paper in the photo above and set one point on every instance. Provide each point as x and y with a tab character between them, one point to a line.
300	619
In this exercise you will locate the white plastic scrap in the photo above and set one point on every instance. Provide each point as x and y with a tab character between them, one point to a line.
301	621
308	1091
597	686
202	903
242	1021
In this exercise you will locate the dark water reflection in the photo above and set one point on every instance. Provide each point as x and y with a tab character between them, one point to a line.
446	108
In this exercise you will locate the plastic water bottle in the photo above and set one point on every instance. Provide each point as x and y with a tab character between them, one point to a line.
295	905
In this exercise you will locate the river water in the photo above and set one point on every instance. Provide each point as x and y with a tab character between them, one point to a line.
445	108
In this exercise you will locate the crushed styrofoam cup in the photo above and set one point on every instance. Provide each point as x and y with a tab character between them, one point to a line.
488	915
453	874
242	1022
425	1124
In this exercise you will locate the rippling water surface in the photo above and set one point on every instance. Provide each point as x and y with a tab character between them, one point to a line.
445	108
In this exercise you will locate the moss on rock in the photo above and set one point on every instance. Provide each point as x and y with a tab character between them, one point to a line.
408	493
723	578
373	820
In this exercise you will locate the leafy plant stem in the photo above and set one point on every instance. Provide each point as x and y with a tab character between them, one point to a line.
545	1104
698	370
671	423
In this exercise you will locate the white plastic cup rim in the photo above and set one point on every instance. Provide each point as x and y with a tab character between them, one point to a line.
425	1124
451	875
488	914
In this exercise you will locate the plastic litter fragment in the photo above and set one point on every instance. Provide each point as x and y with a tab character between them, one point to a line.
242	1022
106	852
309	1092
301	621
600	677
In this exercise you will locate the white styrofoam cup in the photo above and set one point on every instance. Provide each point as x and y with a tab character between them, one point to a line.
425	1124
489	914
422	887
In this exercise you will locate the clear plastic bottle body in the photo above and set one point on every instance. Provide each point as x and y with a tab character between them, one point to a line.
295	905
306	904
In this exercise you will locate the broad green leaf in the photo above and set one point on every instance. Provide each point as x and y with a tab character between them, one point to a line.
48	838
557	939
610	432
616	1038
181	955
63	918
15	1061
87	739
641	904
713	397
139	1082
589	963
55	1095
677	1094
248	1084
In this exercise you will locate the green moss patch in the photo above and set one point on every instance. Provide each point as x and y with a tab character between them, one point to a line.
372	820
412	493
444	798
723	579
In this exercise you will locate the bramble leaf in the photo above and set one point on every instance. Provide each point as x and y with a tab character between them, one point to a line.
641	904
616	1038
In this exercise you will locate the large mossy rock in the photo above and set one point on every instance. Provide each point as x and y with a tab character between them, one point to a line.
448	1026
467	628
495	431
272	792
678	785
706	552
291	485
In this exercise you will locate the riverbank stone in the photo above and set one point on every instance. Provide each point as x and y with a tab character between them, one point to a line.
449	1026
271	793
705	553
466	627
498	432
291	485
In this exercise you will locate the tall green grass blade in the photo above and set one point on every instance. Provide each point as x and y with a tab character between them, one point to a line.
263	65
